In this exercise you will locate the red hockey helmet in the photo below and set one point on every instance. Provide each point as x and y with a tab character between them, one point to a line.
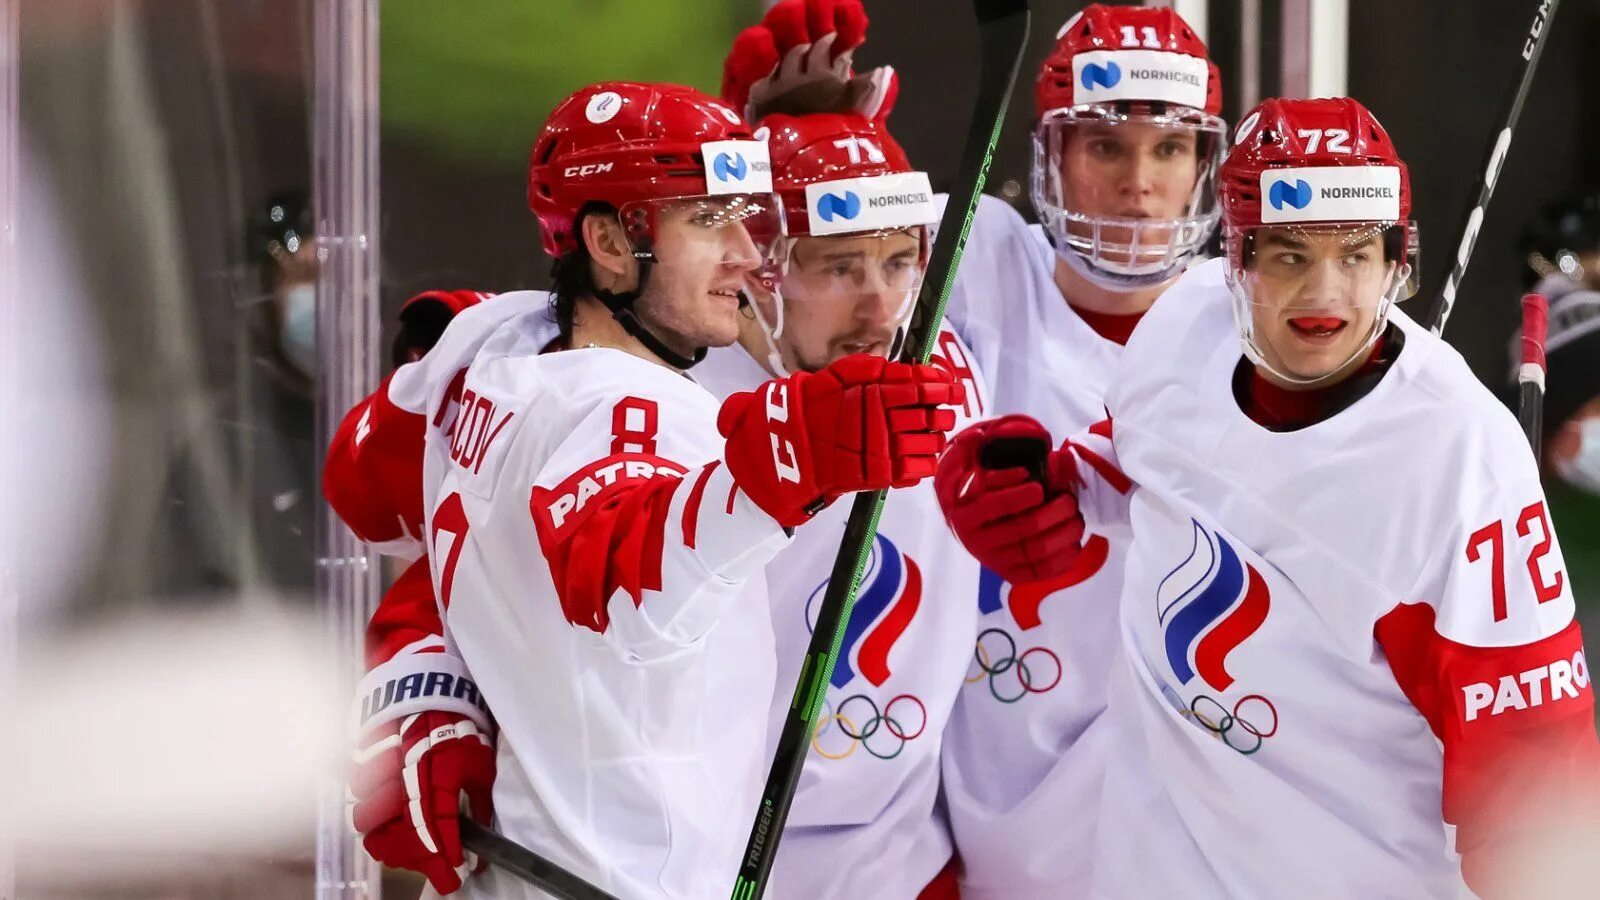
1126	145
1099	33
859	219
818	148
1312	183
632	146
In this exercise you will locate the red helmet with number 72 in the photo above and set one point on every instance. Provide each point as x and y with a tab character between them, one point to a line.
1316	214
1126	145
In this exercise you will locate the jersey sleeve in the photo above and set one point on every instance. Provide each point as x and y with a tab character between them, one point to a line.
407	617
998	245
373	473
1104	489
410	667
645	532
1492	657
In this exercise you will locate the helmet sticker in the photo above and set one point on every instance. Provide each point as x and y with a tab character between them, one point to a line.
603	107
899	200
737	167
1247	128
1103	76
1330	194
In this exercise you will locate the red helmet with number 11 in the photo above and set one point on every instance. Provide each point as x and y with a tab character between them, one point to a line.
1126	145
1316	207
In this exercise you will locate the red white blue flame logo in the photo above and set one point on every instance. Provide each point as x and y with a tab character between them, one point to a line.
1208	605
888	602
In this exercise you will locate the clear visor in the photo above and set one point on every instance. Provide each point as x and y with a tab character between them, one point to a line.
742	231
1126	192
842	294
1311	300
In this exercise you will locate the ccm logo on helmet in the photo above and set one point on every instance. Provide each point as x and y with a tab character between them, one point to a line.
585	170
1565	678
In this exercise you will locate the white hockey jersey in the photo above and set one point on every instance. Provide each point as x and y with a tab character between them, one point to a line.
1310	616
1027	743
600	576
863	824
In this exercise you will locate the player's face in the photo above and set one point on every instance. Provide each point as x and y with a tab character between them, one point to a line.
847	294
705	256
1317	293
1132	170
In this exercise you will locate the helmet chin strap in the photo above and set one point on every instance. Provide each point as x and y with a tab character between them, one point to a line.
621	305
770	331
770	334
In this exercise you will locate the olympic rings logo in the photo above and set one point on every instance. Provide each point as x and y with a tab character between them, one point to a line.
878	731
1035	671
1233	728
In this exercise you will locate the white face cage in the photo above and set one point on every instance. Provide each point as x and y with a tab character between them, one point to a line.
1400	284
1115	252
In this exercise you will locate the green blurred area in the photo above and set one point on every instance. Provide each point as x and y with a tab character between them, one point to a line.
474	80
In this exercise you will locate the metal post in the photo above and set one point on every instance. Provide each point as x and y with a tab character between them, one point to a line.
345	198
1249	54
10	317
1195	12
1316	48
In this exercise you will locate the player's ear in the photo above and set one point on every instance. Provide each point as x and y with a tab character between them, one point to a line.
607	245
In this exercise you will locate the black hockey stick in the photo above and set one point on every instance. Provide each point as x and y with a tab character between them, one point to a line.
1532	48
1531	374
1003	33
526	864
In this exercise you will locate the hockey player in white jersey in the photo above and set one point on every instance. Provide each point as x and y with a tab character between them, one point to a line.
1350	664
1127	141
594	565
864	822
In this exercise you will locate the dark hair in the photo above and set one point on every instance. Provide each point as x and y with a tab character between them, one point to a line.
572	276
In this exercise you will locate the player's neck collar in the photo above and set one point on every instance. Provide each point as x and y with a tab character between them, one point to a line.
1279	409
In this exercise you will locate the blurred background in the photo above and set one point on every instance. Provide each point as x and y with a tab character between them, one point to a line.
160	448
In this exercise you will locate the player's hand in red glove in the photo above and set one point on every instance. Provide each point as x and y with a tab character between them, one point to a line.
799	60
413	775
424	318
796	444
1011	500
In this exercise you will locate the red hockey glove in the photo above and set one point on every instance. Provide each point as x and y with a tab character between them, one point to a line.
408	781
1011	500
798	60
424	318
796	444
